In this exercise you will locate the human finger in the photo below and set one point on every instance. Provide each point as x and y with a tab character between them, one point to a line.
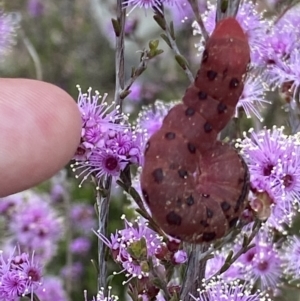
40	128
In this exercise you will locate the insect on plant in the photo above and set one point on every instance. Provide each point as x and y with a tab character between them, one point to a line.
195	185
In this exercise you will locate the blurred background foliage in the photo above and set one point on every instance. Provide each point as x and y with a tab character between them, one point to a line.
70	42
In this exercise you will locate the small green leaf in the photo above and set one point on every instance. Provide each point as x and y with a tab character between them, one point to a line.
224	6
144	266
166	39
172	32
153	44
116	26
124	94
160	21
138	249
181	61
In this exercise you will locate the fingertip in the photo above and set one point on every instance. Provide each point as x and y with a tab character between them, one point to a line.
40	128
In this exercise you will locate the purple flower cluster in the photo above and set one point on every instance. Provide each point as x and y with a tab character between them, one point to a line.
108	143
82	217
20	275
260	265
253	97
220	290
133	246
8	26
52	289
250	20
32	224
273	159
35	8
290	253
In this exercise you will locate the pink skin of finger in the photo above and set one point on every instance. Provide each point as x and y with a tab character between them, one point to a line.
40	128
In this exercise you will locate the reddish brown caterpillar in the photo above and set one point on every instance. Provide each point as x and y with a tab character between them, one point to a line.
194	185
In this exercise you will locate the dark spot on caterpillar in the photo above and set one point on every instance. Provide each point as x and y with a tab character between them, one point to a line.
204	56
207	127
202	95
240	180
234	83
211	75
221	107
182	173
208	236
205	195
158	175
191	148
146	196
173	219
170	135
225	206
189	112
204	224
209	213
190	200
147	146
233	222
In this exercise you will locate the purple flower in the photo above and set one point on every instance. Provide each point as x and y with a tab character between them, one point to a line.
35	226
181	10
290	254
10	203
262	263
80	245
103	163
83	217
98	118
220	290
108	143
286	73
73	272
52	289
8	26
35	7
132	247
253	96
19	275
273	161
180	256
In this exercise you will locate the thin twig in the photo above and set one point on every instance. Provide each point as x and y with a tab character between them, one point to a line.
104	200
137	72
243	250
34	55
195	271
170	39
103	208
176	50
119	58
195	8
